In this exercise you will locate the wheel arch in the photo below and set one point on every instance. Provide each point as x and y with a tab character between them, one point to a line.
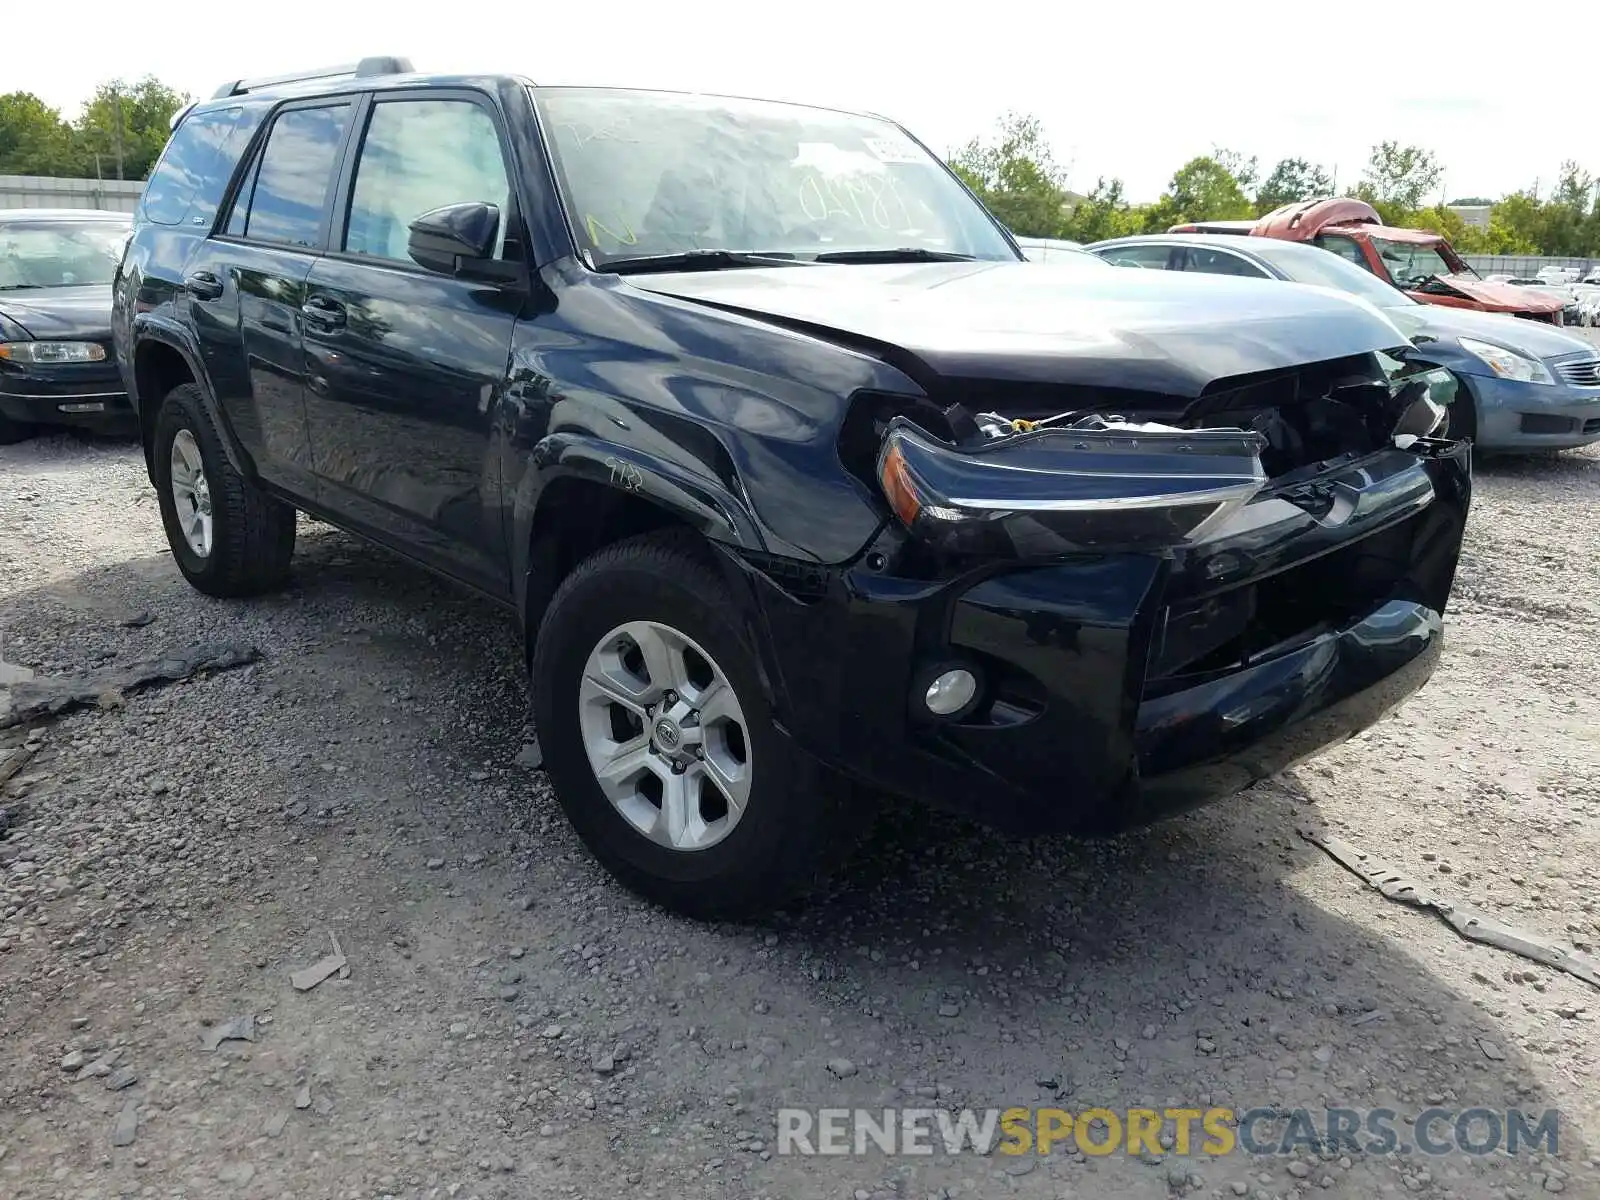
165	357
575	516
578	513
578	493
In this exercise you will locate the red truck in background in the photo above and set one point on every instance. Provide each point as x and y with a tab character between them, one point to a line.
1419	263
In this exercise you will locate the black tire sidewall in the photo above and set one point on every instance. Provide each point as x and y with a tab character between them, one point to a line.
783	815
183	410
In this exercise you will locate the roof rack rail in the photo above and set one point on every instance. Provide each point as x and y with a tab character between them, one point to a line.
377	65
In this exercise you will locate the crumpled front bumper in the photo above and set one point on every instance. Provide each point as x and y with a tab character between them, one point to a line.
1123	687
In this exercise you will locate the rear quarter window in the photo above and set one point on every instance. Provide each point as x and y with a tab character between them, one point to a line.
192	175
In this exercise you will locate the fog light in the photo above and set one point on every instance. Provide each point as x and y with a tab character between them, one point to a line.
951	691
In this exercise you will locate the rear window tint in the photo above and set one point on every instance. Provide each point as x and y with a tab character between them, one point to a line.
295	174
194	169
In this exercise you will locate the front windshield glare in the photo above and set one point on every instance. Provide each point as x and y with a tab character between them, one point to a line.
646	173
59	254
1411	265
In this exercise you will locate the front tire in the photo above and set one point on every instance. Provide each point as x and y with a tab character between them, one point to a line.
228	536
661	745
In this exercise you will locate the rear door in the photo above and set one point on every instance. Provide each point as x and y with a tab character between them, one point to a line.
247	285
406	365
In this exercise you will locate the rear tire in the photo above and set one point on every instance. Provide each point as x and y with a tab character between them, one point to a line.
733	859
228	536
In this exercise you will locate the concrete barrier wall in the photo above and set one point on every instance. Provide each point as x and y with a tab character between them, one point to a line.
43	191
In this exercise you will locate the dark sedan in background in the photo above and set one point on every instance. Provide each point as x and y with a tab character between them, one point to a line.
56	365
1531	386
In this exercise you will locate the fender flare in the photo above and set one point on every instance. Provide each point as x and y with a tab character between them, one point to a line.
696	501
148	327
699	502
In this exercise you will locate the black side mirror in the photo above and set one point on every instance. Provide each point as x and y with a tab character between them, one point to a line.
452	239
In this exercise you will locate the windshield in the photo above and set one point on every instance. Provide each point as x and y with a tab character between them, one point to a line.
1411	265
647	173
59	253
1325	268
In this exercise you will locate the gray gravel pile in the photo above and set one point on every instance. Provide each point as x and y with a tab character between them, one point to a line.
512	1024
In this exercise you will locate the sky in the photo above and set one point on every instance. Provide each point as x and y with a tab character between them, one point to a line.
1126	91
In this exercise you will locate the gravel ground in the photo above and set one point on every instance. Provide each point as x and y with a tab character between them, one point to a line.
515	1025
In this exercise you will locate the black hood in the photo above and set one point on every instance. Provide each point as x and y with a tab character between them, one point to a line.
1152	331
63	314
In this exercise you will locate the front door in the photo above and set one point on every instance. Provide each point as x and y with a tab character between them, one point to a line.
404	365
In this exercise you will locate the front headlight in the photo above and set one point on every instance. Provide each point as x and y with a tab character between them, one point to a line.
40	353
1061	489
1507	364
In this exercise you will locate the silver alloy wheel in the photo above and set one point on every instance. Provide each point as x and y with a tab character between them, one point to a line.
191	494
665	735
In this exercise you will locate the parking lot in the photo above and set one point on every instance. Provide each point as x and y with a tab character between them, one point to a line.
514	1024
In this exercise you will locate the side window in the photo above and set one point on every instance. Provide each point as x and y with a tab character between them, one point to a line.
284	198
1344	247
1220	262
241	202
1136	255
194	168
420	155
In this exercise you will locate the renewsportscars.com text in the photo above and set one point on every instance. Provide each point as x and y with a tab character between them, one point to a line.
1209	1132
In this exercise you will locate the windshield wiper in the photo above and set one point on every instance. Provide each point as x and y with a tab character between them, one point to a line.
897	255
20	287
696	260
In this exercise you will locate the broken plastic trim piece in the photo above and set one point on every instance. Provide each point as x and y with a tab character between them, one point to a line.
1060	488
1468	922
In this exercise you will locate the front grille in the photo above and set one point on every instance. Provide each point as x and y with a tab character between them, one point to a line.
1259	618
1581	372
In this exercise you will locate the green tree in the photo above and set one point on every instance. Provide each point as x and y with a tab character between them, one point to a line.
1503	239
1439	219
1247	171
34	140
1016	176
1519	219
1103	213
1292	179
127	124
1203	189
1566	228
1397	178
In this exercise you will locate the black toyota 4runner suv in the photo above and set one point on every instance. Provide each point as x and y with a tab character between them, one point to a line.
802	483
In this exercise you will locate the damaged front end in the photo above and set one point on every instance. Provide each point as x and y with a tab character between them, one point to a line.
1003	485
1158	602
